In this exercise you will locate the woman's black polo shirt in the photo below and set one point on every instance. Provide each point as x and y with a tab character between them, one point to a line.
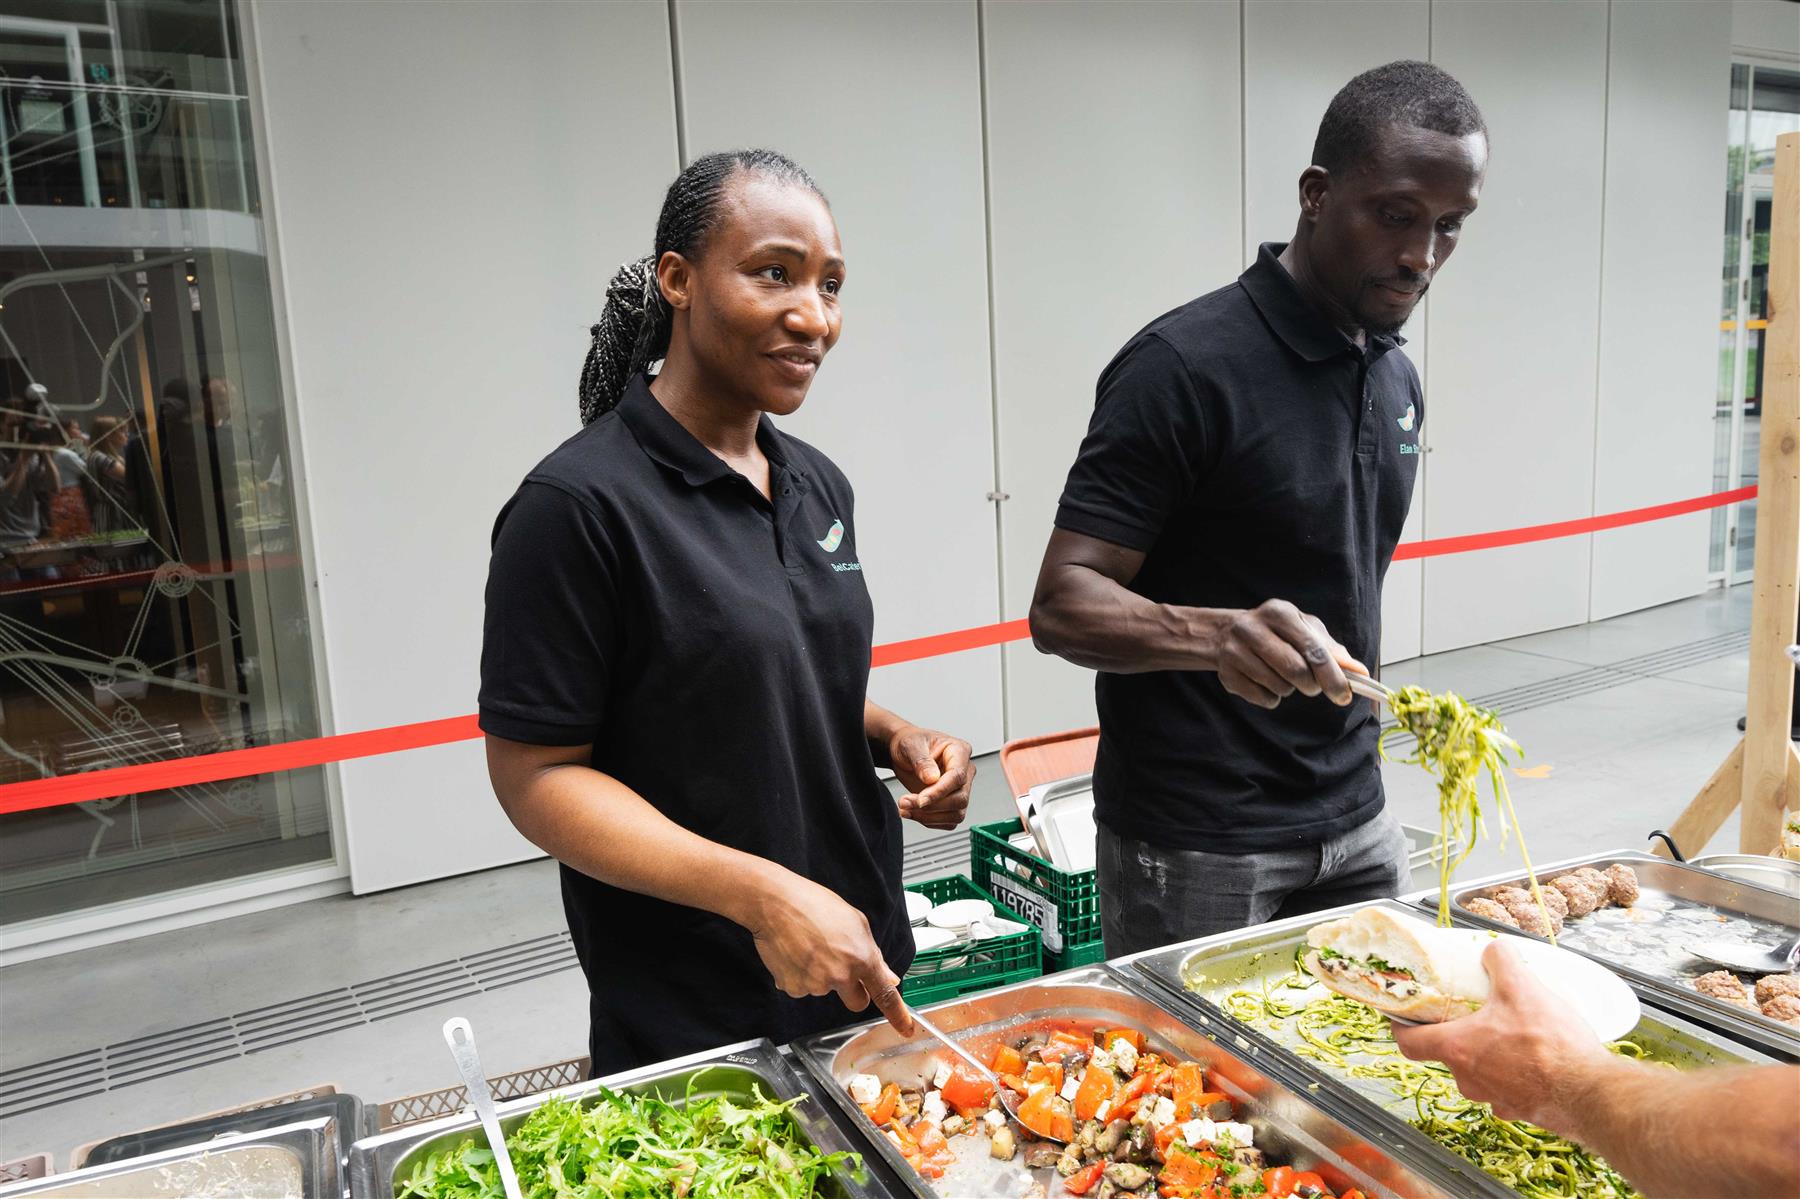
1252	452
714	649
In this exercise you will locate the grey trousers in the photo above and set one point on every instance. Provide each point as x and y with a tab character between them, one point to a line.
1151	895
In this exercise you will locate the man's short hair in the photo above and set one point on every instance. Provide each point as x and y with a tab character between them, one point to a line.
1401	93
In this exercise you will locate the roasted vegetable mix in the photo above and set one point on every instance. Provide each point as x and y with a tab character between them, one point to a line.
639	1147
1134	1121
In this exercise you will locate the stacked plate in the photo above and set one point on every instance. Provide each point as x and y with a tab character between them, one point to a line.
958	921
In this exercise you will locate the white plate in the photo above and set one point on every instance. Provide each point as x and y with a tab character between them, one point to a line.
1601	998
917	907
958	914
927	939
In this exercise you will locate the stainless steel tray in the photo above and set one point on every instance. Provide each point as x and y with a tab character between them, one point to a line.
378	1165
1200	974
1293	1128
1677	903
1061	819
263	1165
351	1119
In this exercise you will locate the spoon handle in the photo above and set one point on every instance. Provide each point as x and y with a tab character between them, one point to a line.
958	1050
460	1036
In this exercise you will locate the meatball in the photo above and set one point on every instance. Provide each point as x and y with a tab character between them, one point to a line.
1723	984
1543	921
1597	881
1490	910
1555	900
1784	1007
1771	985
1581	895
1621	884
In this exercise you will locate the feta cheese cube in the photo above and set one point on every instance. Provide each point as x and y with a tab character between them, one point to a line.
865	1088
1197	1132
995	1120
1125	1057
1103	1111
1071	1084
1163	1110
1242	1135
933	1108
1104	1060
941	1075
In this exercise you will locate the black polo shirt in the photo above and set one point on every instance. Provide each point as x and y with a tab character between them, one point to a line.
1252	452
714	649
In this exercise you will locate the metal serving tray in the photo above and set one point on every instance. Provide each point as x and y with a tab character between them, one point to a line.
295	1161
1292	1128
1200	974
347	1110
379	1165
1060	816
1677	904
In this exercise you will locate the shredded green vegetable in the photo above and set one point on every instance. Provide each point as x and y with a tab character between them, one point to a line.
1455	741
622	1146
1354	1039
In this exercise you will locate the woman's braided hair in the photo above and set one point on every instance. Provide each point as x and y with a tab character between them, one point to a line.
633	329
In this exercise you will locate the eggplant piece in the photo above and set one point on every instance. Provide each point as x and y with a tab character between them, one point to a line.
1142	1142
1004	1145
1042	1155
1218	1109
954	1124
1127	1175
1074	1064
1250	1159
1069	1163
1109	1137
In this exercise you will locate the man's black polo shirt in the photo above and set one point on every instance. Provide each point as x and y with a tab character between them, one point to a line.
1252	452
714	649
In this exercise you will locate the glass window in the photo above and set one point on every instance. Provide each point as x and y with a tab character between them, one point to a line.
152	603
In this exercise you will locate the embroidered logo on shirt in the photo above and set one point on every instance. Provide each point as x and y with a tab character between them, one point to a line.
1406	422
833	539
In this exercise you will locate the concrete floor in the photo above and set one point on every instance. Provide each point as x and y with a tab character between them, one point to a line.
1627	751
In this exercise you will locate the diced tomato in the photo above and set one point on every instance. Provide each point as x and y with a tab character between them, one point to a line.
1122	1034
1014	1083
1125	1103
1083	1180
930	1169
1047	1114
1184	1170
1166	1136
1354	1193
1007	1060
1097	1086
968	1093
1279	1182
931	1138
1045	1072
882	1110
1305	1181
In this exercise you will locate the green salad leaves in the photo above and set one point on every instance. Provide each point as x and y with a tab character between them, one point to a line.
620	1146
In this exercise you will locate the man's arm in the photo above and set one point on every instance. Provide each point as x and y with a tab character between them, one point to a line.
1533	1060
811	941
935	768
1084	610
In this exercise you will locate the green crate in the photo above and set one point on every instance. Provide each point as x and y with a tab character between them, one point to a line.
1068	959
1064	904
982	966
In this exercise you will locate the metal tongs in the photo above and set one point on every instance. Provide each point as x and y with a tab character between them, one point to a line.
1368	688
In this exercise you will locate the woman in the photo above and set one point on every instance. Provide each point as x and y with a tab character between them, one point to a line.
109	496
676	652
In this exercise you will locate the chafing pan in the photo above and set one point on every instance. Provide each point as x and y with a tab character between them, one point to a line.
1291	1127
1201	974
1677	904
294	1161
379	1165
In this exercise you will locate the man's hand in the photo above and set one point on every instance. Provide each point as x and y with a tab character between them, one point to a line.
1267	653
1523	1052
936	771
813	943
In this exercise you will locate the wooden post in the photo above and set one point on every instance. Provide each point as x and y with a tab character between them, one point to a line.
1763	771
1767	744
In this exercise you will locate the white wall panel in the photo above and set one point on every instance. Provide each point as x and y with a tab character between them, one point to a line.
447	215
1666	87
1297	54
1765	27
881	102
1110	206
1513	319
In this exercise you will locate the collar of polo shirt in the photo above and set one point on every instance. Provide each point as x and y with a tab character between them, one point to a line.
666	441
1296	322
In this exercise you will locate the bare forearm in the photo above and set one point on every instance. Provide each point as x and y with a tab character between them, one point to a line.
1632	1114
1092	621
879	726
599	826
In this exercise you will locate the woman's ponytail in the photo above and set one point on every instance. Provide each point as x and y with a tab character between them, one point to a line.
626	337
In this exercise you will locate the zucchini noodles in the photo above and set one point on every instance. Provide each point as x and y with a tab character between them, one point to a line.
1353	1039
1455	741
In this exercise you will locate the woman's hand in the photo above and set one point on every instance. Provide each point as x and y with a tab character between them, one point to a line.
936	771
813	943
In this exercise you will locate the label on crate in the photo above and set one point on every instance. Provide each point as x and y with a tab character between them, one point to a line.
1035	908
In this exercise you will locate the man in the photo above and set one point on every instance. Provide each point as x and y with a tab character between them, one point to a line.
1525	1054
1222	539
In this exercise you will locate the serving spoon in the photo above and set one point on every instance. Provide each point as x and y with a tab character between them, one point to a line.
1008	1098
1750	959
460	1036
